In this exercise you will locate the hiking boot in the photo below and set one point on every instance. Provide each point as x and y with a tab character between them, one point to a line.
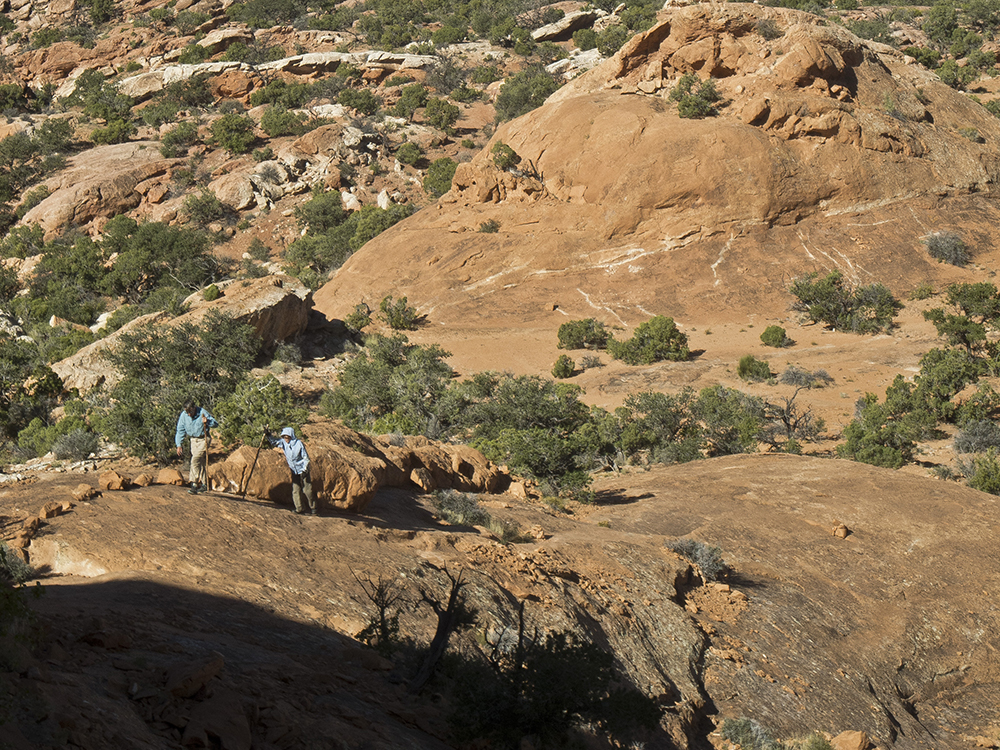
194	489
313	512
202	488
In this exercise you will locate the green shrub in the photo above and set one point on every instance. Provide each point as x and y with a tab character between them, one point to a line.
116	131
162	369
948	248
363	100
588	333
929	58
437	182
491	226
38	437
46	37
187	21
211	293
563	368
390	376
398	315
706	557
323	212
412	98
31	199
695	104
192	54
409	153
982	471
254	53
504	157
775	336
204	208
175	142
359	318
441	115
922	291
585	39
523	92
831	300
612	39
277	121
752	369
234	133
655	340
461	508
281	94
253	404
485	74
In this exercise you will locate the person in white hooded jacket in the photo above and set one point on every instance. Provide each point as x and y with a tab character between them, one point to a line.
298	461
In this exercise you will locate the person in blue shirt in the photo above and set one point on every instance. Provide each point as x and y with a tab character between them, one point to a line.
195	423
298	461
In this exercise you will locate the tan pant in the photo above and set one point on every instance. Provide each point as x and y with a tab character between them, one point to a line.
199	461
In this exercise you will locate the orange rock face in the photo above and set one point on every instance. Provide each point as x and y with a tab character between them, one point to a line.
827	153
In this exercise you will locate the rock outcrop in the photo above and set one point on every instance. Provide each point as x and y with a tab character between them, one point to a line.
828	152
101	182
276	306
348	468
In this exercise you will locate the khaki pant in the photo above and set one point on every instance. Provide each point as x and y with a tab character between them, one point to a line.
302	485
199	461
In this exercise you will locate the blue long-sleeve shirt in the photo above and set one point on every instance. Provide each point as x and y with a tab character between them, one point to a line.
192	426
294	450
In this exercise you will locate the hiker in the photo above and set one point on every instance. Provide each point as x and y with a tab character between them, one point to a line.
195	423
298	461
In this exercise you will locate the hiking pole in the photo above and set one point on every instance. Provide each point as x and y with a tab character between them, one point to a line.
253	466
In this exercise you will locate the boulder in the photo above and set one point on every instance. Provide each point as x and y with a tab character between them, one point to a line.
347	468
85	492
169	476
235	190
112	480
276	306
98	183
563	28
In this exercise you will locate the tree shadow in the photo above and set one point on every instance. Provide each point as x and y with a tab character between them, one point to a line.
619	497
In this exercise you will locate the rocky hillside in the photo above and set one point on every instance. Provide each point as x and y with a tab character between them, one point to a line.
204	200
858	604
828	153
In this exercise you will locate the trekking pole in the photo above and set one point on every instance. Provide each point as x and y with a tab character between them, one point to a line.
253	466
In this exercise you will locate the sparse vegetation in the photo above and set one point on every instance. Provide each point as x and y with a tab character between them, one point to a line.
695	103
564	367
775	336
398	314
583	334
752	369
653	341
948	248
833	301
705	556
